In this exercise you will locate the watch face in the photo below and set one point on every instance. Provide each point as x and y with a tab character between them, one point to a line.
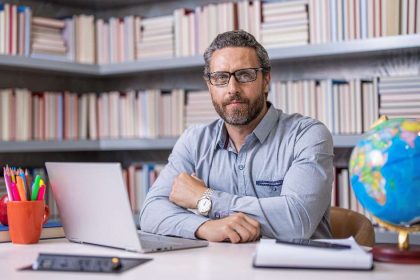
204	205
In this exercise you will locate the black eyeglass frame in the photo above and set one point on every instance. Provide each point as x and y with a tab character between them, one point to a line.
262	69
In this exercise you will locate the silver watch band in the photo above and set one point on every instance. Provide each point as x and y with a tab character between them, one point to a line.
207	194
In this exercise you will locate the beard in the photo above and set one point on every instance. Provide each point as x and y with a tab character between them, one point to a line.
243	114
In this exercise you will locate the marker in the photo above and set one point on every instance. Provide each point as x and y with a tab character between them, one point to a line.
35	188
41	192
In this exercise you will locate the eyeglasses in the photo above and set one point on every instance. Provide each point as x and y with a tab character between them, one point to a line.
222	78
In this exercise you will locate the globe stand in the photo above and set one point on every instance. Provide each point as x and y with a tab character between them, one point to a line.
404	253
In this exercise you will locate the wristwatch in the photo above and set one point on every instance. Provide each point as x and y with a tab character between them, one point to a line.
204	203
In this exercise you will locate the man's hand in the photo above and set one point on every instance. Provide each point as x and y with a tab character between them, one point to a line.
187	190
237	228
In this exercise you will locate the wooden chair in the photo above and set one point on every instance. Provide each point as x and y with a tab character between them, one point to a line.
346	223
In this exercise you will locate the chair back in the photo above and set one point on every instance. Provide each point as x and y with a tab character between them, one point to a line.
346	223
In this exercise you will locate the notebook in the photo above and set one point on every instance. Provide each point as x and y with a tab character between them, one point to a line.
269	253
94	208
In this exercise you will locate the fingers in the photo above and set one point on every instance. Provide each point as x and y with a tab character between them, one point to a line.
251	231
246	231
250	220
256	225
232	235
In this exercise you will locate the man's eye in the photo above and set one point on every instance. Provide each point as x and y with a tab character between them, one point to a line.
219	77
244	75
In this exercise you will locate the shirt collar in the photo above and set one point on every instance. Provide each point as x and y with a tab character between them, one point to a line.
267	123
261	131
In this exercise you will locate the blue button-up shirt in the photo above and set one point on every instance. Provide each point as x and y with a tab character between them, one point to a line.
282	177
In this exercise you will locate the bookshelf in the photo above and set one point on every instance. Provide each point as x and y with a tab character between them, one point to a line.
355	49
87	145
340	141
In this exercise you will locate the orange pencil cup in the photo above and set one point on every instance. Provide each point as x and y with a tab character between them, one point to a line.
25	220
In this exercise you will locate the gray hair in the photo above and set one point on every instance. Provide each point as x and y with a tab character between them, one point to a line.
237	38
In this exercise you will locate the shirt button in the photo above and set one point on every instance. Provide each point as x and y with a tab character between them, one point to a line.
217	215
241	167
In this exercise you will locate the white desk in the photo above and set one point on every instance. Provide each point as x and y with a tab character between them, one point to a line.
218	261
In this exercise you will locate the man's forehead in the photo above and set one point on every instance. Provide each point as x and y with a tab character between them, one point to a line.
234	56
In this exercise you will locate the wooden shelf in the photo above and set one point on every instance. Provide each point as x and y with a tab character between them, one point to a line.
278	55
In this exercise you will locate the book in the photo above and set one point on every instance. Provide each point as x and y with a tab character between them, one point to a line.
52	229
272	254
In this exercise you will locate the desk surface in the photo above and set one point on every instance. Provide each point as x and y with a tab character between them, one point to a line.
218	261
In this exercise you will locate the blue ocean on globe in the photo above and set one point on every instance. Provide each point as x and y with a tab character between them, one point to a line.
385	171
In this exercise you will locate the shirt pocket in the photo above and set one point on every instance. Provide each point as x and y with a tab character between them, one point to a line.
268	188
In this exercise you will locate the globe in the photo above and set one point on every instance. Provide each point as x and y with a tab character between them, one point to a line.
385	171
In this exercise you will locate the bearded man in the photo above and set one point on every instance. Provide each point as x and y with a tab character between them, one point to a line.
254	172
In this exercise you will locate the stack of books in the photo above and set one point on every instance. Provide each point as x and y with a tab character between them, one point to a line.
155	37
47	38
399	96
249	16
336	20
199	109
345	107
285	24
52	229
84	39
15	29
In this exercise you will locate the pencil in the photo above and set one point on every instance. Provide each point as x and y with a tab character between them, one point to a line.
8	184
25	185
15	192
28	180
21	188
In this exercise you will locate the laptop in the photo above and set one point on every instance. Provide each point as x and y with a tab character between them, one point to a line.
94	208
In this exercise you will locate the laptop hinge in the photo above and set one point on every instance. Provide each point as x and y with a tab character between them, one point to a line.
131	250
75	240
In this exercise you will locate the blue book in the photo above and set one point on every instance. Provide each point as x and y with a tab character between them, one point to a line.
52	229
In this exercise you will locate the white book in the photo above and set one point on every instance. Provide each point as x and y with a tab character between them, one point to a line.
418	15
412	17
400	97
358	106
364	19
404	17
272	254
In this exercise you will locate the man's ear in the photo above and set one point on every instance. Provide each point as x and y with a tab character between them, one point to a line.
266	81
207	84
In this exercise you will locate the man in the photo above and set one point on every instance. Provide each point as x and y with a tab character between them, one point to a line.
255	172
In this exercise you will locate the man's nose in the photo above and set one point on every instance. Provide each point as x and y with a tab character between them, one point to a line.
233	85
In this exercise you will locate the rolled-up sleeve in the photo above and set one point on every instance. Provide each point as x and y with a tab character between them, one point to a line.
305	195
158	214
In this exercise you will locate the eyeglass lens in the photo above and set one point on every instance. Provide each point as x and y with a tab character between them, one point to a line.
241	75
